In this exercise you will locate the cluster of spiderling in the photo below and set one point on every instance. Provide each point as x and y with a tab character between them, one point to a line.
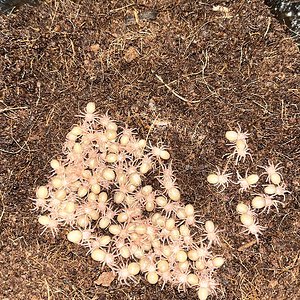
272	191
97	193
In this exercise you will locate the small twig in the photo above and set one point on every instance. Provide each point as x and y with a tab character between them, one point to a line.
283	110
121	8
11	152
241	56
3	210
12	108
248	245
204	66
136	16
38	85
268	26
264	108
205	63
194	133
172	91
48	290
16	152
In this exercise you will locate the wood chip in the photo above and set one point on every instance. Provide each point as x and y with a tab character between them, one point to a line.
95	48
131	54
105	279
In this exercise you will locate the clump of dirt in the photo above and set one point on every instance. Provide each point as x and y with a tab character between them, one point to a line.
194	70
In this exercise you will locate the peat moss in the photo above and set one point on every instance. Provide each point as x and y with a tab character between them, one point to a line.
241	69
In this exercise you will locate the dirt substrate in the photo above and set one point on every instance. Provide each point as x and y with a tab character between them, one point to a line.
222	69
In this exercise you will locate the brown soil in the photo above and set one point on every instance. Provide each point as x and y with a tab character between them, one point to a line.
56	57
